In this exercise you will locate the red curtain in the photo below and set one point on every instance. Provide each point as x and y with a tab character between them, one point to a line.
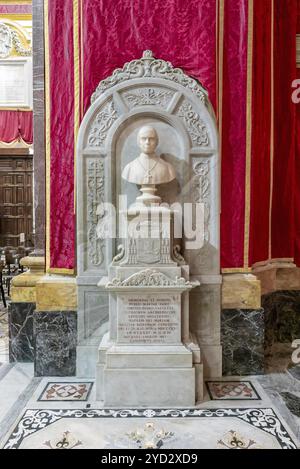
297	165
62	227
234	92
261	132
16	125
112	32
283	234
297	172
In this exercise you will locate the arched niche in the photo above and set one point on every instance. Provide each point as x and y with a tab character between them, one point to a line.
146	90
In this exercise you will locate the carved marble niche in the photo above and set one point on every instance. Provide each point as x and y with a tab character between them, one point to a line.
145	91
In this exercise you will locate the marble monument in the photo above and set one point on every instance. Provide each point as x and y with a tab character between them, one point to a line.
152	302
148	307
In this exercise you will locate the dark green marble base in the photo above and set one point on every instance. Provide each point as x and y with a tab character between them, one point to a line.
282	327
20	318
242	338
282	316
260	341
55	335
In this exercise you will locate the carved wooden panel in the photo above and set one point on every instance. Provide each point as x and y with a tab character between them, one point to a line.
15	199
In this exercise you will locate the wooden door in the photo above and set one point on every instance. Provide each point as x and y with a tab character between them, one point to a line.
16	193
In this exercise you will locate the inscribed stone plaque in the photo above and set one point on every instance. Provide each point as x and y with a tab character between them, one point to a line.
16	83
152	318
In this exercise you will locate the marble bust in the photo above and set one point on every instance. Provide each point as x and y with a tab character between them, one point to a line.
148	168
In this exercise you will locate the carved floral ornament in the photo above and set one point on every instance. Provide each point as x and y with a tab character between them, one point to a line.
150	278
95	195
148	97
101	125
202	191
9	38
149	67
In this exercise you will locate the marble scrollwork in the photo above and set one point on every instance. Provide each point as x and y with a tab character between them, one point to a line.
121	253
149	278
148	97
101	125
95	197
9	38
149	67
177	255
202	191
23	51
195	125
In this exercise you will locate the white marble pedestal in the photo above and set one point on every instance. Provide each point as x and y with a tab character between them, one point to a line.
143	361
145	375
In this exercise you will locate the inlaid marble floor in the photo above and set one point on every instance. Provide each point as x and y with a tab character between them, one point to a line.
62	413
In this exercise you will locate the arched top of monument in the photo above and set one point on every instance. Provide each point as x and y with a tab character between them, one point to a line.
149	67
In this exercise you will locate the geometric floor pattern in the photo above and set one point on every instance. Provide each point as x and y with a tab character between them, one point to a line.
232	390
66	391
63	413
231	428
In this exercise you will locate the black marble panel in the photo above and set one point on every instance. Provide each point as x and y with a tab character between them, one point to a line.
20	317
242	337
282	316
292	402
295	372
55	335
282	327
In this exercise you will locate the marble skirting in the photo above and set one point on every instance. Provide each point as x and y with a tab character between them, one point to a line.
242	337
21	347
282	327
55	335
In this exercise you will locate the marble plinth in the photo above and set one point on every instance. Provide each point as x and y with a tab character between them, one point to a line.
242	336
55	335
137	370
148	340
140	387
21	332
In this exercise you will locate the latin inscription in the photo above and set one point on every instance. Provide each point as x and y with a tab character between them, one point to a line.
149	319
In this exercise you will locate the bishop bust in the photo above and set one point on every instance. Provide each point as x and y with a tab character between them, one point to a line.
148	168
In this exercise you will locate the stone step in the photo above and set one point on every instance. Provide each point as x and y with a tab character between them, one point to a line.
147	356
